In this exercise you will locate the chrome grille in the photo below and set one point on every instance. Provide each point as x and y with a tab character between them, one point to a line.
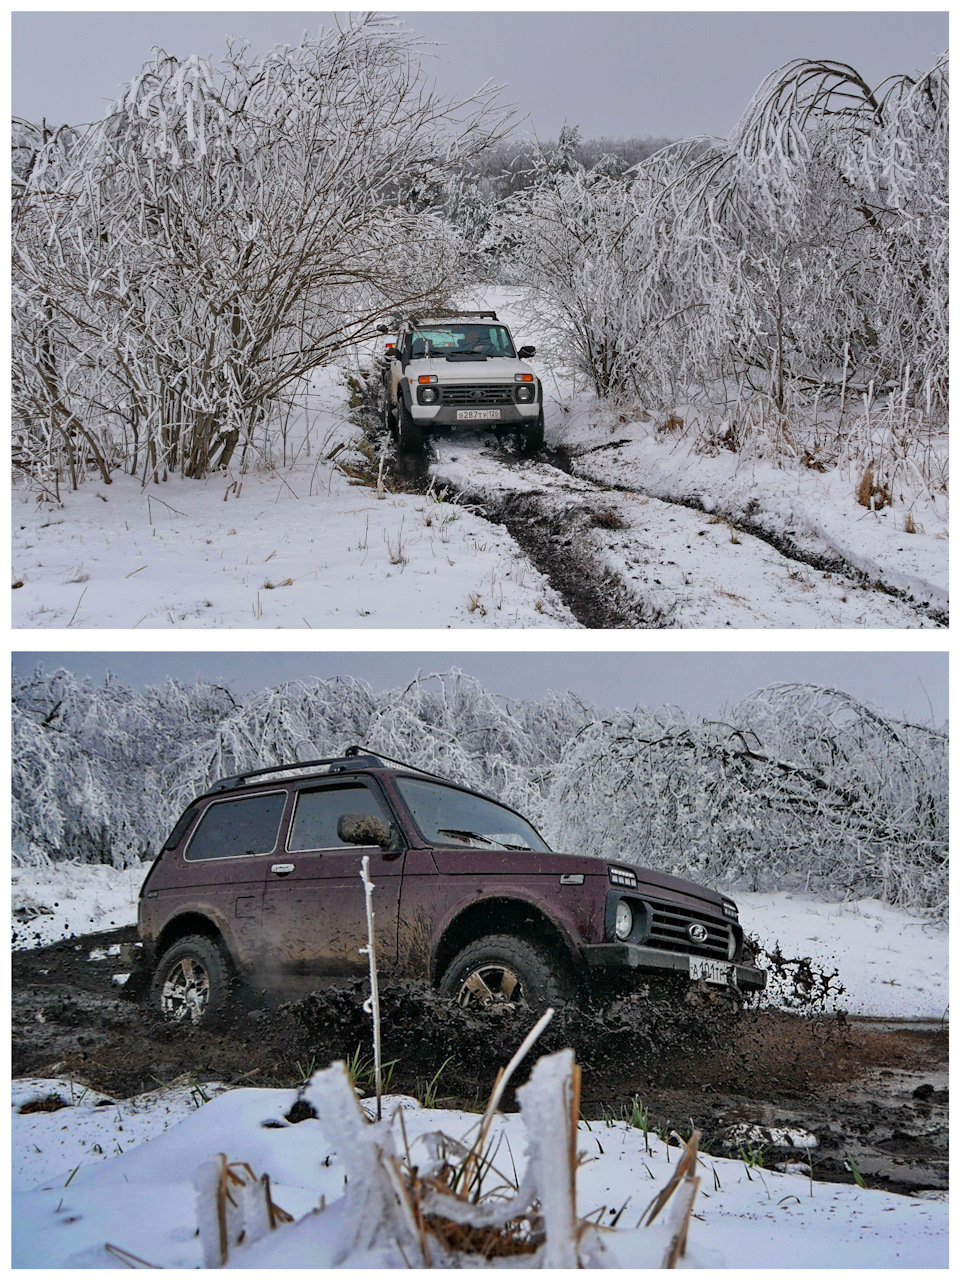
668	931
477	395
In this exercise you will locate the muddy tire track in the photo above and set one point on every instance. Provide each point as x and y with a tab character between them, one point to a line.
782	543
555	519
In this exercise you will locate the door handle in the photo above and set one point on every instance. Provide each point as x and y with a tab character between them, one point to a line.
283	868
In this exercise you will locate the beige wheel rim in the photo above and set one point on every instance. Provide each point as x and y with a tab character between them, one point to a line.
491	984
186	991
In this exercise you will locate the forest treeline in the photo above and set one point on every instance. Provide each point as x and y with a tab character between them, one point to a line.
796	786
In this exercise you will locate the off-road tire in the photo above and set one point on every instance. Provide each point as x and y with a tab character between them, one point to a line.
410	434
389	413
541	979
191	983
530	436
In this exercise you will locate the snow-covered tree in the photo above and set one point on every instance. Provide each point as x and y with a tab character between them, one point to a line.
222	231
797	786
804	257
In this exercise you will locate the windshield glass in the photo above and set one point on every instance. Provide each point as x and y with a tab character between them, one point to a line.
462	340
448	816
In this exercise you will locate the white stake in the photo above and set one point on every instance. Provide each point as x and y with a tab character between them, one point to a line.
372	1005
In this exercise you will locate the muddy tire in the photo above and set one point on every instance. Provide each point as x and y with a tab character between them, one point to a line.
530	437
502	970
389	413
192	981
409	433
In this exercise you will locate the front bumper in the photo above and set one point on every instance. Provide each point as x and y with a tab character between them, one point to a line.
630	955
428	415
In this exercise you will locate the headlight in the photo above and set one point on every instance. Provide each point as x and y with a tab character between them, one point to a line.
428	395
730	909
525	393
732	946
623	925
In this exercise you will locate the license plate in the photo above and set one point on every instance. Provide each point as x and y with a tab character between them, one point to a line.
711	970
474	415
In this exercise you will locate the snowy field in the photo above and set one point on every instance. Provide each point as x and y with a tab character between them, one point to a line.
301	544
305	539
120	1173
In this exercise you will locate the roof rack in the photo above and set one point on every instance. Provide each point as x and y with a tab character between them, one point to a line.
351	759
354	757
443	314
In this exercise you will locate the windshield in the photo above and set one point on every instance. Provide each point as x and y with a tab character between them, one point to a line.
448	816
462	340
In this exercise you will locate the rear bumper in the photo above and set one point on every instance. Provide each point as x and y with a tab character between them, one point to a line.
629	955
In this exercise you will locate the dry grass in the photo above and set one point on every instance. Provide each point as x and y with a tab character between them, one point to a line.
52	1102
607	520
870	493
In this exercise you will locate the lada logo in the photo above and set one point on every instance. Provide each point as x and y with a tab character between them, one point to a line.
697	932
476	395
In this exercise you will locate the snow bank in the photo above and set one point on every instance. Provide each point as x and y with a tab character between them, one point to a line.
892	964
143	1201
68	899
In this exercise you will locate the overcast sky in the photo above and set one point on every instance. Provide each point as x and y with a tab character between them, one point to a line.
906	684
621	74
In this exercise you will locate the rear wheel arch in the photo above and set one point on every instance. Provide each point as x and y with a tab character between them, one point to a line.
190	924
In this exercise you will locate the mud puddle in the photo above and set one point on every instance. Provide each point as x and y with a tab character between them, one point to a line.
830	1099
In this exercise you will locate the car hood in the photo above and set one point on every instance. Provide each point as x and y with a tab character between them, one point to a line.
493	369
467	860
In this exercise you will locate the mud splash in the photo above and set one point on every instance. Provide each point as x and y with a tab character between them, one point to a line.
873	1101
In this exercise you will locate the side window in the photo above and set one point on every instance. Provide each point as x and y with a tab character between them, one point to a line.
235	828
317	813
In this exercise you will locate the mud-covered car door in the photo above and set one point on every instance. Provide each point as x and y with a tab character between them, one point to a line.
314	918
219	871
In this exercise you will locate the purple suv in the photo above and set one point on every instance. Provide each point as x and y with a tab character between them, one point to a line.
260	880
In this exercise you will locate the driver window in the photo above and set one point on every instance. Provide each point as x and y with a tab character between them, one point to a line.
318	812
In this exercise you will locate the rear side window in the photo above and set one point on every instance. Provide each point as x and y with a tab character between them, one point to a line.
317	813
236	828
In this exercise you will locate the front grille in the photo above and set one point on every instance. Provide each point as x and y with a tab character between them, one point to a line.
477	395
668	931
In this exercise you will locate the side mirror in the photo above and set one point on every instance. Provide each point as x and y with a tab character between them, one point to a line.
526	352
364	829
383	328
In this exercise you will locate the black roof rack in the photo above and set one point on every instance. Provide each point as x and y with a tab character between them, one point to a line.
442	312
354	757
351	759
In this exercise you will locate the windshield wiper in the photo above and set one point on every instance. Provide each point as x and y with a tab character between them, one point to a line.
468	835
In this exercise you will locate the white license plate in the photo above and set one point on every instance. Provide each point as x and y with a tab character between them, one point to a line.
711	970
474	415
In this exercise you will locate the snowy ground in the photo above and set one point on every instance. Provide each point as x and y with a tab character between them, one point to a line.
99	1172
891	963
50	903
299	541
143	1201
295	545
683	568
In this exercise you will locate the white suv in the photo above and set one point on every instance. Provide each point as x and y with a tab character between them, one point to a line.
459	370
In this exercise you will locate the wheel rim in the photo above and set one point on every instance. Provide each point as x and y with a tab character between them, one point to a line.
491	984
186	991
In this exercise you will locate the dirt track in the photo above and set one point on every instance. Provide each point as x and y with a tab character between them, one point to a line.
878	1098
